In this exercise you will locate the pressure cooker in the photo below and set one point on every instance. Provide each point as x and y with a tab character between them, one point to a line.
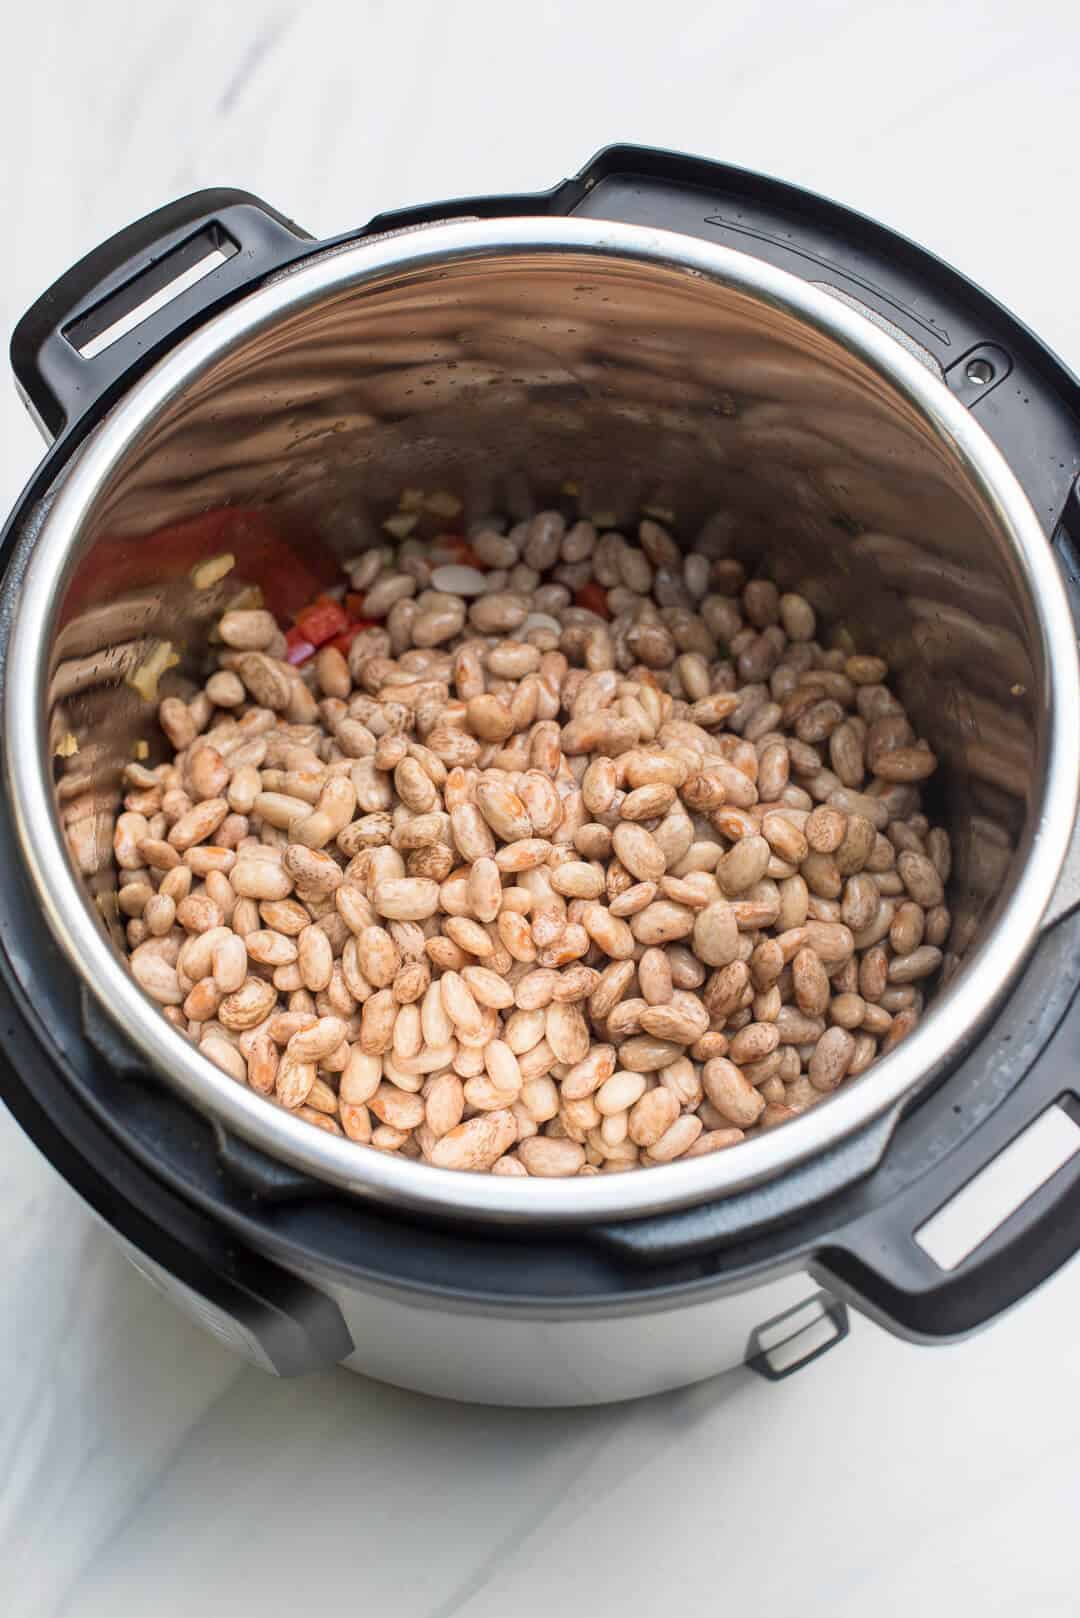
872	429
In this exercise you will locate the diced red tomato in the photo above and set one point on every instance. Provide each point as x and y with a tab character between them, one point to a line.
593	596
342	642
322	621
354	604
462	552
298	648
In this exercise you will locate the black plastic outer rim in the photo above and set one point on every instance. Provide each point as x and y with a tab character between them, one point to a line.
707	175
723	1254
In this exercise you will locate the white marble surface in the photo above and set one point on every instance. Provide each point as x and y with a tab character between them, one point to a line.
140	1467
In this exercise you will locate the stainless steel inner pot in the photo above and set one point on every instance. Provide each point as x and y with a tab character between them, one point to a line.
501	360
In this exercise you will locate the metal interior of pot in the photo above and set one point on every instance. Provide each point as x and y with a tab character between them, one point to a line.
644	371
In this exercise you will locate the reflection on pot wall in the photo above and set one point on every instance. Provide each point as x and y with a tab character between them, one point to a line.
509	382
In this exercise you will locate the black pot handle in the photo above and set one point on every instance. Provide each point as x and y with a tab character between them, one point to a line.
63	363
879	1262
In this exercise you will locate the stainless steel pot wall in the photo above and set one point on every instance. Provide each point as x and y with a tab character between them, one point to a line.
500	360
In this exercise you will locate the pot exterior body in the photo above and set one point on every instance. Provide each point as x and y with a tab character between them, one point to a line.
559	1357
549	1355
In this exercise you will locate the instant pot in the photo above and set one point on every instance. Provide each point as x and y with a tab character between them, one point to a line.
800	388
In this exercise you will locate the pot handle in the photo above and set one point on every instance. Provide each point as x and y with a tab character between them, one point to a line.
990	1221
117	309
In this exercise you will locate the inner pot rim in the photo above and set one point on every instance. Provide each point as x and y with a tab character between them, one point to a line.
924	1055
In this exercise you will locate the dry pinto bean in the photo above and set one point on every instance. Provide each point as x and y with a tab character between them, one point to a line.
848	1010
676	1140
716	934
469	936
578	880
248	630
476	1144
831	1059
646	1053
715	1140
253	878
198	823
724	991
810	982
315	959
795	1027
683	1020
251	1003
398	1108
919	964
566	1032
619	1093
360	1077
878	928
687	971
662	922
225	1056
754	1042
742	866
157	977
599	785
921	879
859	903
543	806
654	976
939	852
377	955
652	1116
444	1104
822	876
794	900
488	988
824	829
548	1157
647	802
460	1004
875	1020
262	1064
784	838
908	926
613	936
406	898
504	811
938	926
377	1023
639	852
625	1018
905	764
857	847
731	1093
315	1043
832	941
873	973
502	1067
902	1025
294	1081
159	914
